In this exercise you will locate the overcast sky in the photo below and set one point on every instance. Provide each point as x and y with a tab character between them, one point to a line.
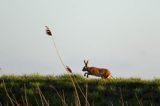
121	35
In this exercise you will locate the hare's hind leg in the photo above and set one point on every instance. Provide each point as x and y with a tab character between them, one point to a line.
106	76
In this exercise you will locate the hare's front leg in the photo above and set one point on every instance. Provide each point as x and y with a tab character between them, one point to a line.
85	74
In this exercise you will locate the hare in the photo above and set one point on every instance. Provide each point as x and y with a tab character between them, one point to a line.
100	72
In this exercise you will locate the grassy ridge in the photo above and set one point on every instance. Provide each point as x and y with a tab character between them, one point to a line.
58	90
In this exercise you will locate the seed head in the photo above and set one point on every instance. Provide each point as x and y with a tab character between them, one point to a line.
68	69
48	32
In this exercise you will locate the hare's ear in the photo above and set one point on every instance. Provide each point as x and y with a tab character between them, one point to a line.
84	62
87	62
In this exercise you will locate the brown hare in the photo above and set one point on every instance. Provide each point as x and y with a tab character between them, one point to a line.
100	72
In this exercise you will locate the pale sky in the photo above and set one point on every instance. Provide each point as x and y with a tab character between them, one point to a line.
121	35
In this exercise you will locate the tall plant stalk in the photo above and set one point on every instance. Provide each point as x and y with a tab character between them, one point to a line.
48	32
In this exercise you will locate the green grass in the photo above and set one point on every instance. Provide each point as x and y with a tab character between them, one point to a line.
44	90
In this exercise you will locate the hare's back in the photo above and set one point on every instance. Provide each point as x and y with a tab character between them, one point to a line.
104	70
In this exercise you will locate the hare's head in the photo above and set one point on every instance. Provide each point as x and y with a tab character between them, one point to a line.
86	66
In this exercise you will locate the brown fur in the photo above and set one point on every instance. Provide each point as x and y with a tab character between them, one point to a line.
101	72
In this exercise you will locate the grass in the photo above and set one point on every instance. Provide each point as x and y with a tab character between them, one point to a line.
58	90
